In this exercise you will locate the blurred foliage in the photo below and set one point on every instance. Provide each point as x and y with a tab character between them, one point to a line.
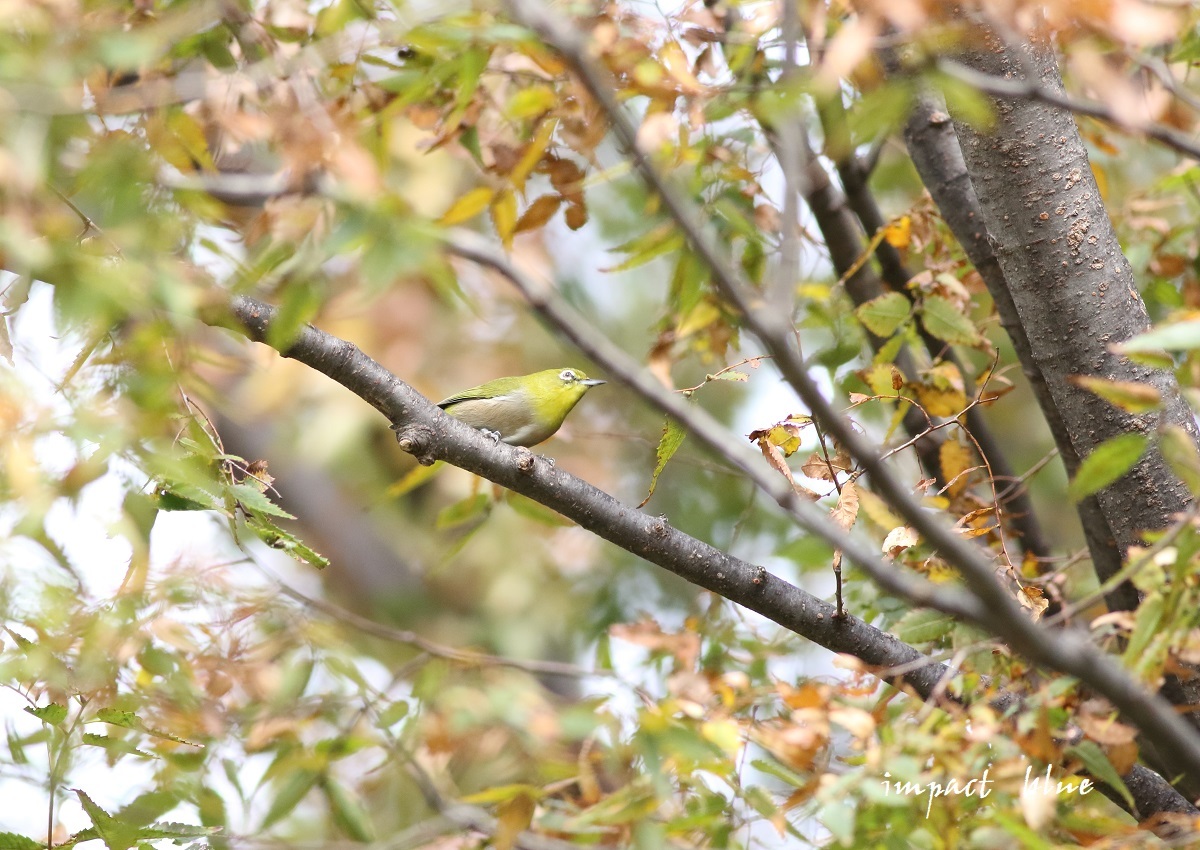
157	156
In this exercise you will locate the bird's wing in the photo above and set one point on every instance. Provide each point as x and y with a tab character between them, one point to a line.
492	389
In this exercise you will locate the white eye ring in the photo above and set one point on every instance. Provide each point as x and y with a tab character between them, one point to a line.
568	376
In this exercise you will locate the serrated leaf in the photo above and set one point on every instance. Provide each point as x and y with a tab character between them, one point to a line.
883	315
54	714
129	720
12	841
114	746
117	717
251	498
672	438
944	321
1131	396
114	834
1107	462
285	541
538	213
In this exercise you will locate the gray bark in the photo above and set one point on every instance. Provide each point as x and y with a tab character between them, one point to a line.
1072	290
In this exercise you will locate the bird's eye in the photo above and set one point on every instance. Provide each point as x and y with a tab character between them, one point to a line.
568	376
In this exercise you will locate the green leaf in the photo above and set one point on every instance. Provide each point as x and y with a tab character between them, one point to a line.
944	321
253	499
129	720
668	444
285	541
779	771
1147	625
650	245
1107	462
12	841
393	714
116	717
148	807
536	511
1178	336
923	626
464	511
1179	451
1098	765
289	793
115	834
116	747
883	315
300	303
348	811
54	714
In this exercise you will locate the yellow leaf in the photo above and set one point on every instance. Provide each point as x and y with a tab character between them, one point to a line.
1130	396
877	510
468	206
939	403
899	232
504	216
884	379
678	68
956	459
533	154
725	734
699	317
512	818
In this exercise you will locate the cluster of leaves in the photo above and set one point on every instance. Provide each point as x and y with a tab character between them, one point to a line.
130	202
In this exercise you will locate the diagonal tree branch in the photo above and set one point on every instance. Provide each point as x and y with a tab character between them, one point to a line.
1067	652
431	434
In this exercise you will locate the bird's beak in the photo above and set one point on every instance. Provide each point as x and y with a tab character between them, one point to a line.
593	382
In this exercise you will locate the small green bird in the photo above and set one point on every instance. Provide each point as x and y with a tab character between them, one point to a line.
521	411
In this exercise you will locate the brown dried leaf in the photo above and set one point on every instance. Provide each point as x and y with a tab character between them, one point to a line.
538	213
845	512
1033	600
898	539
684	646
